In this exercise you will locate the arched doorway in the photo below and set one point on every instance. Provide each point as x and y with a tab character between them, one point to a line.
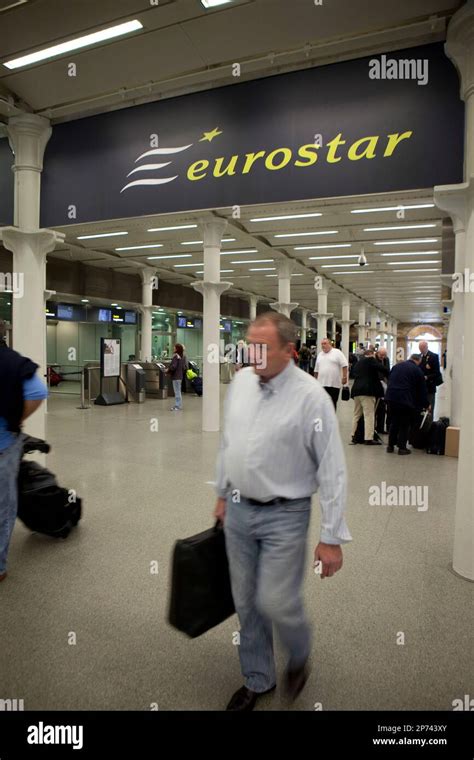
432	335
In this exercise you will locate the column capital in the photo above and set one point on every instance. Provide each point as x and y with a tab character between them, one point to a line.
146	273
206	287
28	135
41	242
459	46
285	267
212	231
283	308
321	315
456	200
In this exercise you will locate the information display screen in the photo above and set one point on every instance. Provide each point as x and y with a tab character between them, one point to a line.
198	323
182	321
104	315
51	310
65	311
110	357
118	316
130	318
227	325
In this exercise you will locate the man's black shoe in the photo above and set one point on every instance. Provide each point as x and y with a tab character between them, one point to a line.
295	681
404	451
373	443
390	449
244	699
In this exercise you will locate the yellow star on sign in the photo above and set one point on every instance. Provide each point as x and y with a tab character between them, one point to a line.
210	135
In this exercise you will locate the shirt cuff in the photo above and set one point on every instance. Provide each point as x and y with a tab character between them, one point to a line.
327	538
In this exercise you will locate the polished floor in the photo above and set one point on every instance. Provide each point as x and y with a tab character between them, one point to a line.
83	621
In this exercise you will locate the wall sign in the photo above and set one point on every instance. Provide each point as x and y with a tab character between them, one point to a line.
334	130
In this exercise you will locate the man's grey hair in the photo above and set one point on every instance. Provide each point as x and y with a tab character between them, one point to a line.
415	358
286	329
369	352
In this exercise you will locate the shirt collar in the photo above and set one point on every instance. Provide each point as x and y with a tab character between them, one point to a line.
277	382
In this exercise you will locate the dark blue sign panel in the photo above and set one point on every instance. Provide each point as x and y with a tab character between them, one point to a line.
343	129
6	183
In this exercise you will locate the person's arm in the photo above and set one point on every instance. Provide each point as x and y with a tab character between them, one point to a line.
328	454
34	393
29	407
344	364
222	482
421	390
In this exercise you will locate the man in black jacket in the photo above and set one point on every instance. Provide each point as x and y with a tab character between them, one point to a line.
21	393
431	371
406	395
366	389
380	424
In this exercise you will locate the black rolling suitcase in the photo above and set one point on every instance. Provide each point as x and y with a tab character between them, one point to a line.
437	437
197	385
43	506
420	431
201	595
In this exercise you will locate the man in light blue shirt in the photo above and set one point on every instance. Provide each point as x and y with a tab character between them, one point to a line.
280	445
21	393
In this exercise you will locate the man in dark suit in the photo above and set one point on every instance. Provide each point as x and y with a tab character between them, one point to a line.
366	389
431	371
406	395
380	425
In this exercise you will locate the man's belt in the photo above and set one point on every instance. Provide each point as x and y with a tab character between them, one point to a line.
271	503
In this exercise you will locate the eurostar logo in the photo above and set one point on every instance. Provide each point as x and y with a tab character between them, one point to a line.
374	146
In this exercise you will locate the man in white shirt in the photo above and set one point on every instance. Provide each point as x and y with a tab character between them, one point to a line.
331	369
280	445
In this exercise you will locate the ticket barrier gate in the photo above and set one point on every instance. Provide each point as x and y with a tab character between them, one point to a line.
135	381
156	379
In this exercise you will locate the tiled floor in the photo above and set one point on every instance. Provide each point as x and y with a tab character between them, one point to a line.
142	490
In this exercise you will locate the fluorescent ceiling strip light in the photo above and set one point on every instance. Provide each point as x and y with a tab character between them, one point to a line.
281	218
331	266
406	263
261	269
199	242
410	253
234	253
253	261
336	256
182	266
173	256
400	271
214	3
76	44
177	227
407	242
323	246
399	227
100	235
138	247
391	208
306	234
226	270
241	276
370	271
271	275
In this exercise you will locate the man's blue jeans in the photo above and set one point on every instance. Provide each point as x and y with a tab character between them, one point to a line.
266	547
178	399
9	466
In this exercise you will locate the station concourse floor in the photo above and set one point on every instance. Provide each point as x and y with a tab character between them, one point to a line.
142	490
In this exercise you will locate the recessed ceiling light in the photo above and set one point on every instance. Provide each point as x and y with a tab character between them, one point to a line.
76	44
100	235
172	256
321	247
114	304
306	234
138	247
84	300
407	242
177	227
287	216
399	227
336	256
391	208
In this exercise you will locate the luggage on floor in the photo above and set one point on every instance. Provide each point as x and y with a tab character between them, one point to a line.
437	436
420	431
43	506
54	377
197	385
201	596
360	432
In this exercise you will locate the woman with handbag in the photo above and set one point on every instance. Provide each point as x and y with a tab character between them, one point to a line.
176	370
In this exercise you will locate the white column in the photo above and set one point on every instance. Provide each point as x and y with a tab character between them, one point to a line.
304	324
284	304
395	340
459	201
322	313
362	327
390	342
148	281
253	301
333	329
28	135
373	328
211	289
345	325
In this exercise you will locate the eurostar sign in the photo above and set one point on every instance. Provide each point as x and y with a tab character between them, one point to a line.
323	132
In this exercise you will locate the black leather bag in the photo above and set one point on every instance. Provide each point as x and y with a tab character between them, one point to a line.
345	393
201	596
